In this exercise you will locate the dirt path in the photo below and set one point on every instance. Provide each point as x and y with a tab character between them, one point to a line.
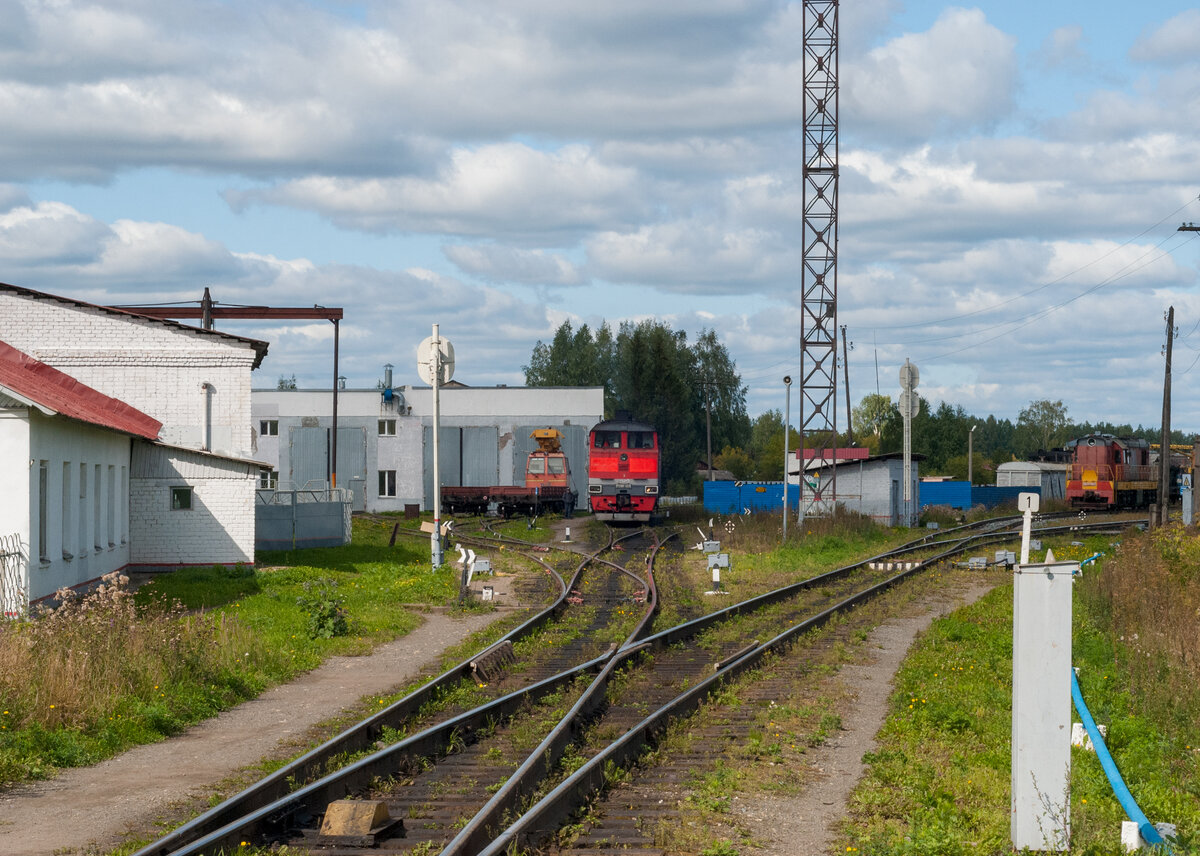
93	809
806	825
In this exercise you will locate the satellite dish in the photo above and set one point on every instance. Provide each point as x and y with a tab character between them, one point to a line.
425	354
910	404
909	376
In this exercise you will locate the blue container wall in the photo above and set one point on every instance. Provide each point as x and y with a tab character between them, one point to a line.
726	497
956	494
959	494
992	496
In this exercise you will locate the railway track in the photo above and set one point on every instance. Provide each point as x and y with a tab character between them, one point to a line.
585	682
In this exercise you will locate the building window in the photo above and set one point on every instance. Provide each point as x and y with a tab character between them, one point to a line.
181	498
96	509
124	506
387	482
66	512
44	510
112	506
268	479
387	427
268	428
81	541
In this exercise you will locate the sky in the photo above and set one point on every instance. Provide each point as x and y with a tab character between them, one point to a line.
1013	176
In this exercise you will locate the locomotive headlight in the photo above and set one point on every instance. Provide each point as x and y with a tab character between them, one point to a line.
651	488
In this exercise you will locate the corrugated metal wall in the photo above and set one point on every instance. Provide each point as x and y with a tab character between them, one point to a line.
480	455
308	454
574	443
449	460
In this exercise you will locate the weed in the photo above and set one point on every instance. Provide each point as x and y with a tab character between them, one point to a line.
325	608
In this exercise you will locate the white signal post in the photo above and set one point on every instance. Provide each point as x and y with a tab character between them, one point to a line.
437	480
435	363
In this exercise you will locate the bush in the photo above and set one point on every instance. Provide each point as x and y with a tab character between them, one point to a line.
325	608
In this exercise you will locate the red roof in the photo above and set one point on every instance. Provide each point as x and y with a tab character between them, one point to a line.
51	390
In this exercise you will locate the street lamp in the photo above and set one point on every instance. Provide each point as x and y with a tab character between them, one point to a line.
970	453
787	429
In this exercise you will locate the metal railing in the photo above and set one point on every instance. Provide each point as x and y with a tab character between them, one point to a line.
14	598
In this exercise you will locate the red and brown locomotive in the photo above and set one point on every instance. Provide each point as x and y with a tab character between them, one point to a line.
1110	472
623	470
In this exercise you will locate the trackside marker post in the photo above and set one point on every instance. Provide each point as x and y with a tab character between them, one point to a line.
1041	704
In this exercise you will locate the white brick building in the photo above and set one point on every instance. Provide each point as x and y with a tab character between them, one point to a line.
188	496
384	451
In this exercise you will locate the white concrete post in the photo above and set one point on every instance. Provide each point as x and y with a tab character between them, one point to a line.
1041	708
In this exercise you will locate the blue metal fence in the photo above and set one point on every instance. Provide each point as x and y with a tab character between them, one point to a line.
959	494
726	497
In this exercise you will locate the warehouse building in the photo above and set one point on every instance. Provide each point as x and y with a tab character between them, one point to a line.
384	451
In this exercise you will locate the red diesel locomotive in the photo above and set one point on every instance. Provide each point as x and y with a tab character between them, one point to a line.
623	470
1110	472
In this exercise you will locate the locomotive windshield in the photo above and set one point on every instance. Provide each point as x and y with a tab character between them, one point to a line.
557	466
607	440
537	465
641	439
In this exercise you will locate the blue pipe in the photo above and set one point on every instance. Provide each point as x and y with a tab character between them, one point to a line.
1145	827
1091	558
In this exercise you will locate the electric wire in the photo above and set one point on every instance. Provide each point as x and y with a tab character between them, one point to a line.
1065	276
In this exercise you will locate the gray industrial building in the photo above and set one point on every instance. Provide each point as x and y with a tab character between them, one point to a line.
1050	477
384	450
874	486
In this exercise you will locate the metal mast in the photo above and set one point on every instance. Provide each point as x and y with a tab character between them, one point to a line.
818	297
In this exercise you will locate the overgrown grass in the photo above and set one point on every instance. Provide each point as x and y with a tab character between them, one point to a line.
940	781
111	670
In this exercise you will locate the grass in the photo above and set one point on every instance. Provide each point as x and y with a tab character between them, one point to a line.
939	782
112	669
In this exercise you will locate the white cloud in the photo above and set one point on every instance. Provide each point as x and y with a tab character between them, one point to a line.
1176	41
504	189
959	75
507	264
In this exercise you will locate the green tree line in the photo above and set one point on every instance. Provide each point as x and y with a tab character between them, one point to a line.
655	374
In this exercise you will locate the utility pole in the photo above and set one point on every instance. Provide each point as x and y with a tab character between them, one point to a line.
708	424
846	374
1164	446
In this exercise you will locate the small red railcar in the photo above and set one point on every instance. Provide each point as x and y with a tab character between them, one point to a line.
1110	472
623	470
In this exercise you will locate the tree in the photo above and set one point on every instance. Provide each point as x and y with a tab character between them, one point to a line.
719	388
871	415
1043	422
650	370
286	382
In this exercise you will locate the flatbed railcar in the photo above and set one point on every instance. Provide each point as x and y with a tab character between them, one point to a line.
547	485
1111	472
623	470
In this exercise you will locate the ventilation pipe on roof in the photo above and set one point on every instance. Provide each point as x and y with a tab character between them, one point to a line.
206	390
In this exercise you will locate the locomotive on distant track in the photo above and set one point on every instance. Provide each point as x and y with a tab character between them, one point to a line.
547	485
1111	472
623	470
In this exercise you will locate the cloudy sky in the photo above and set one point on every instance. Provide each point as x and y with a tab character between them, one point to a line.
1013	177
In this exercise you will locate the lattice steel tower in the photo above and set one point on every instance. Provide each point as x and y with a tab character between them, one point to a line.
818	298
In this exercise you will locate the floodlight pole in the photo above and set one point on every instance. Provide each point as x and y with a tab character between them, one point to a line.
970	454
787	429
